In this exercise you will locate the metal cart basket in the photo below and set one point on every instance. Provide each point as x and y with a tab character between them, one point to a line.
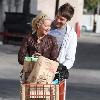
44	91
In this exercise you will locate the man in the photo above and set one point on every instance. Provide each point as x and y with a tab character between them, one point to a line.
66	38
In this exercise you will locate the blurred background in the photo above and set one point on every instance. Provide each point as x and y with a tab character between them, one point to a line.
15	23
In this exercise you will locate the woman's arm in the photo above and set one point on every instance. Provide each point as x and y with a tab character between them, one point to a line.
54	51
23	50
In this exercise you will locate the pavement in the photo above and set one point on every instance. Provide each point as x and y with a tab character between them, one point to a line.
9	72
84	75
87	64
84	81
9	67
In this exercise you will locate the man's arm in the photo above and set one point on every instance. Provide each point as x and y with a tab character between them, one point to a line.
71	51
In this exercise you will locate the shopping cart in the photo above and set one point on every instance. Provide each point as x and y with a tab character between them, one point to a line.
44	91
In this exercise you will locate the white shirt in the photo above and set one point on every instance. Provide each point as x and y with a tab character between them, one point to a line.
68	47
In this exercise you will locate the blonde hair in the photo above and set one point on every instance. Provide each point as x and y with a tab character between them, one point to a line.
38	20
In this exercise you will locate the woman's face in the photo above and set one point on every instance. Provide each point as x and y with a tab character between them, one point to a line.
44	28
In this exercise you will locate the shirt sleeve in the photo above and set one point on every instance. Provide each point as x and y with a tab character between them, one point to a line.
70	52
23	50
54	51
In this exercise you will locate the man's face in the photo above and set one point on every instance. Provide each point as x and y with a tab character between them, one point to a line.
60	21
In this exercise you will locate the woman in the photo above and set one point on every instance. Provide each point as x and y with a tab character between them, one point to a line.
39	42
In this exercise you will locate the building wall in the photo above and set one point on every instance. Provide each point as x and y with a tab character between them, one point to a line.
97	20
1	18
33	6
9	6
78	6
46	6
87	23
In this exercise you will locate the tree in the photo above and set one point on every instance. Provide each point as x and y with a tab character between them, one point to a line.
91	5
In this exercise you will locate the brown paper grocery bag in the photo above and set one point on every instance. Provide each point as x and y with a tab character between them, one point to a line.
43	71
28	66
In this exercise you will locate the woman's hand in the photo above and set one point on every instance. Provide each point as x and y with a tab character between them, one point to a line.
37	54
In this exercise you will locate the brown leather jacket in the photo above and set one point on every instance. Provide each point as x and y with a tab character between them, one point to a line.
47	47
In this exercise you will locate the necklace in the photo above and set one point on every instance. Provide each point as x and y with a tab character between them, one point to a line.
39	39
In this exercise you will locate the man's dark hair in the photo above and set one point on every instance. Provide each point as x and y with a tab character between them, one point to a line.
66	11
